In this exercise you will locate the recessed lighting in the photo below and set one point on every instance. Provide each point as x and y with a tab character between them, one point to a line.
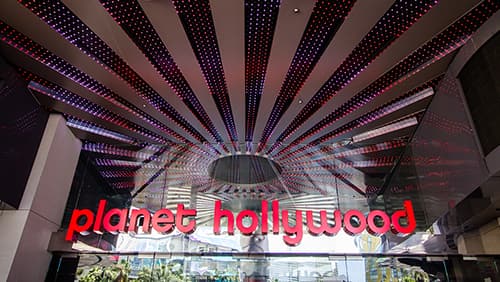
300	101
296	10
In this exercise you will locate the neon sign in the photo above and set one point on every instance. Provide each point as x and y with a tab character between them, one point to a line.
353	222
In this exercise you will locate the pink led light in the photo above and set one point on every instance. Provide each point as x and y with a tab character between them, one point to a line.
260	22
325	20
131	17
198	23
442	44
399	18
74	123
80	103
80	35
123	163
385	129
405	100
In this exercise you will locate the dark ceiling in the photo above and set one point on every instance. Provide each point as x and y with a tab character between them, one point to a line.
331	91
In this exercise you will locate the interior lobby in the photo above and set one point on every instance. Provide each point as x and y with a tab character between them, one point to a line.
250	140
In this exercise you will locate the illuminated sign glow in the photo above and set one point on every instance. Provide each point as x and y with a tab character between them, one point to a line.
353	222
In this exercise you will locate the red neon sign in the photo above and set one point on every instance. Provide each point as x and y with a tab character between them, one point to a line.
164	221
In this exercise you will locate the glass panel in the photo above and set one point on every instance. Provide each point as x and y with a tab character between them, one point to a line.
158	267
326	179
208	200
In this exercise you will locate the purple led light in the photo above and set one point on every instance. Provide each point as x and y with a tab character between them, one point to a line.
325	20
92	128
444	43
198	23
260	22
108	149
83	104
122	163
131	17
42	55
405	100
399	18
124	174
62	20
385	129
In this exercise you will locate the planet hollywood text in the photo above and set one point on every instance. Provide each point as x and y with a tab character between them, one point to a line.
376	222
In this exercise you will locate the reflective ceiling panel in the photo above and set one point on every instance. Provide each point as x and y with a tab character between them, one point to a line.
310	102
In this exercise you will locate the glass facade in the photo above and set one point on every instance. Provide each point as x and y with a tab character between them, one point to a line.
155	267
249	141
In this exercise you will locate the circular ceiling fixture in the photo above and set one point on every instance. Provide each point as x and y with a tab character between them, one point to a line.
244	170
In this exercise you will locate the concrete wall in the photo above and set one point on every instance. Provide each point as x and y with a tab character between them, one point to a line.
490	235
483	240
12	222
26	232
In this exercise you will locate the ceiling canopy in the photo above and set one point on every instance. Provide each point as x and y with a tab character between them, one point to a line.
329	92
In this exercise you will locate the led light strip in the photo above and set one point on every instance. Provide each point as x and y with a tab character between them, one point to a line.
125	174
325	20
444	43
83	104
123	185
377	162
413	96
196	152
447	125
131	17
198	24
37	52
183	163
113	162
260	23
62	20
157	156
385	129
94	129
399	18
108	149
384	146
189	158
323	175
151	181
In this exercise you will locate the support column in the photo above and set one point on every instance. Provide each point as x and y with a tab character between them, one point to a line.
481	241
26	232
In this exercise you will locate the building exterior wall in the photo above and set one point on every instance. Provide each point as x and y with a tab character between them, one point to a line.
26	232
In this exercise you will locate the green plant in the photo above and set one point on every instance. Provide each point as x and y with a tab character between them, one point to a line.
114	273
161	273
99	273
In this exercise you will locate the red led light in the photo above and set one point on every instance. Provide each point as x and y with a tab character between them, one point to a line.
399	18
198	23
130	16
444	43
62	20
325	20
260	22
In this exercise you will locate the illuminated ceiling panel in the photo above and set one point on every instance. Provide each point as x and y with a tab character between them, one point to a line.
334	134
